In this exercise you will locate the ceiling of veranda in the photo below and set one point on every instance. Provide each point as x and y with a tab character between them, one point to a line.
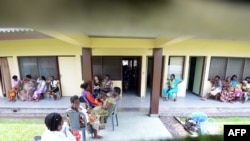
213	19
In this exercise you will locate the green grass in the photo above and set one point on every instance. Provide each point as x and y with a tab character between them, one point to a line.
225	121
25	129
20	129
221	121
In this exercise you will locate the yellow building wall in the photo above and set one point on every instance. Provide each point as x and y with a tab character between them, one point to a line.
45	47
207	48
125	47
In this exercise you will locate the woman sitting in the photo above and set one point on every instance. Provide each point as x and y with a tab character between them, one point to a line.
234	81
246	90
53	87
172	88
29	86
103	110
88	96
238	93
41	88
96	86
227	93
107	87
216	88
54	124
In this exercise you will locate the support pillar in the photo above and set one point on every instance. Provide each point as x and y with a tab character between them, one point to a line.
87	64
156	82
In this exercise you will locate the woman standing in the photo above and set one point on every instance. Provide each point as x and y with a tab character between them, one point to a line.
172	88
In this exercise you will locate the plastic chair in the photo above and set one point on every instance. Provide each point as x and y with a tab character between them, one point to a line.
87	104
113	114
37	138
74	122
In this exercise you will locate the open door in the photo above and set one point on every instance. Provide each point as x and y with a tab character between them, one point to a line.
131	75
196	66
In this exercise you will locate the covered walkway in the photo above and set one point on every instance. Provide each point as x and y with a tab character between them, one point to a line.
134	122
132	103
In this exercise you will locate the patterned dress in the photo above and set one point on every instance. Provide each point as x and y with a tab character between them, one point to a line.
227	93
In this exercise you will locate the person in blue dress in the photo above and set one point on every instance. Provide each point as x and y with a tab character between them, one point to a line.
234	81
170	92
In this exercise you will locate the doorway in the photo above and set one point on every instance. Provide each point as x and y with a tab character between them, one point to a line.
196	67
131	75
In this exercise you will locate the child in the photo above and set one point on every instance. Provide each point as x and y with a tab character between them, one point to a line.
75	106
15	88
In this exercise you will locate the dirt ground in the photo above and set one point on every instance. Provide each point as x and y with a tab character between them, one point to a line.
174	127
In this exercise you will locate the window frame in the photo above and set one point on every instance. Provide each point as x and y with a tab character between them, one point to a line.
102	69
243	71
183	65
57	76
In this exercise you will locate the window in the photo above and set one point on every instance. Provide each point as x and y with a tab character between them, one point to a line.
218	67
111	65
176	66
228	66
37	66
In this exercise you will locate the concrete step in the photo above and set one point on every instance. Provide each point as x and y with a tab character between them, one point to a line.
29	112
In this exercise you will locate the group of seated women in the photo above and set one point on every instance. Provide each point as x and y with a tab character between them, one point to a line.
101	86
32	90
230	89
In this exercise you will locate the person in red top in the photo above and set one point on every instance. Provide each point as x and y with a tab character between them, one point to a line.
86	93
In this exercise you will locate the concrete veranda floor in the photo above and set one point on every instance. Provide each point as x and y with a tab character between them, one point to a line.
134	122
131	102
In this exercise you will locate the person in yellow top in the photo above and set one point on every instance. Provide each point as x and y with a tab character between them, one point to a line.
103	110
